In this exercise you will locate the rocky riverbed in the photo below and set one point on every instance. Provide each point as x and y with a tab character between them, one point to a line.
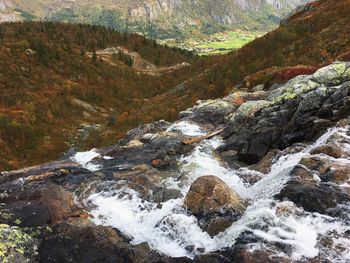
272	187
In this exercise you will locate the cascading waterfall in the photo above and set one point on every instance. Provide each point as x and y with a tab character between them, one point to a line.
170	230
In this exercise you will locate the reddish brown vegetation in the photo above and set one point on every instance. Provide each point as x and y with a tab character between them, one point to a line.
38	118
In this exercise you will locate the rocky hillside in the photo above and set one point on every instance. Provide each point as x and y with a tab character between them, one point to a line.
254	176
162	19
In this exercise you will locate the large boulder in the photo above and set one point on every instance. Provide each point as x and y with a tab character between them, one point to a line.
214	203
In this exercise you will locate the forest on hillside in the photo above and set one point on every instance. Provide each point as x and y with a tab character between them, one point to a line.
45	67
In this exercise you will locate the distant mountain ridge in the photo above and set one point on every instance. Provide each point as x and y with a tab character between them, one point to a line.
161	19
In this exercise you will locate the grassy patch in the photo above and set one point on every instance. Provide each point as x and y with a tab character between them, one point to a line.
216	44
222	43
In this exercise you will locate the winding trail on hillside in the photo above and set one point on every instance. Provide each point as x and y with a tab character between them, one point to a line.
139	63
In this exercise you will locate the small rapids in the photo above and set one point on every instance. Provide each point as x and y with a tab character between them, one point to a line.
85	160
170	230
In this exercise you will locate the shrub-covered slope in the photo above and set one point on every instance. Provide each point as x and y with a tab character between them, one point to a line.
52	79
313	37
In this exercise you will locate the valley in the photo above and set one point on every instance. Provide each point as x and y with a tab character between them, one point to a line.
168	21
62	84
168	89
174	131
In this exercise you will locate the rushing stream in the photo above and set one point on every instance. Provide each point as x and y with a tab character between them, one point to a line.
171	231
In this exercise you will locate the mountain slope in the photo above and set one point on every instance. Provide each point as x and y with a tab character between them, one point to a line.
313	37
124	97
162	19
148	198
54	79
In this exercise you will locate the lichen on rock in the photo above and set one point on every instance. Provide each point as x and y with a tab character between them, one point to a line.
16	245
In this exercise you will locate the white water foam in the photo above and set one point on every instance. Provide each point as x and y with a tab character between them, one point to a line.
171	231
186	128
85	158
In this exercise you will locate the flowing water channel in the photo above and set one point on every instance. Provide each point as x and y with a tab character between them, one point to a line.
170	230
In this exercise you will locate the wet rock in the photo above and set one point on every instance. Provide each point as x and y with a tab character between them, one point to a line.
211	258
164	194
251	248
212	201
328	170
93	244
148	182
287	208
264	166
59	202
329	149
210	194
230	157
322	165
101	236
313	197
216	225
148	137
148	178
163	148
302	173
247	254
295	148
249	176
52	167
343	123
157	163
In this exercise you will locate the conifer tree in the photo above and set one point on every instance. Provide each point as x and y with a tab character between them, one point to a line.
94	57
1	34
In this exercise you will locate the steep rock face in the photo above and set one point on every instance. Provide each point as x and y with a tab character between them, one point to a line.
297	111
162	18
7	12
221	12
